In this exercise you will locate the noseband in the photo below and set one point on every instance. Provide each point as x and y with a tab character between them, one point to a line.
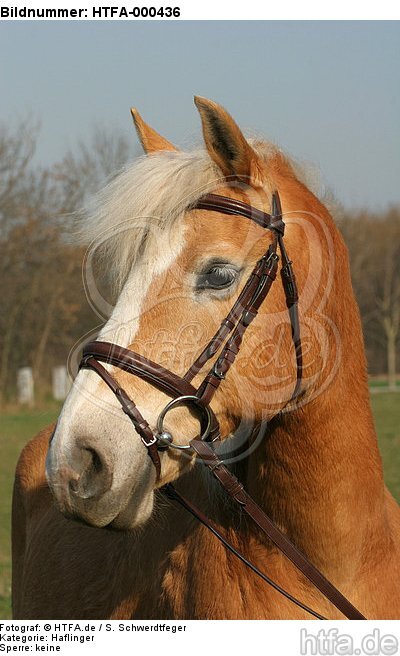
227	342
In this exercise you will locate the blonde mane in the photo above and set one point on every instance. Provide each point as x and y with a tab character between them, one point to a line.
148	198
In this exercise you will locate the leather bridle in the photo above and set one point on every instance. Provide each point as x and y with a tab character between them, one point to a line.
226	341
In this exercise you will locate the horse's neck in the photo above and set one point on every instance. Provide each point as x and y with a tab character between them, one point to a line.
318	475
318	471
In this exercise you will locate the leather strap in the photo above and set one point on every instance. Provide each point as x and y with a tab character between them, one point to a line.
130	409
228	324
250	299
226	205
232	346
292	296
171	493
140	366
237	492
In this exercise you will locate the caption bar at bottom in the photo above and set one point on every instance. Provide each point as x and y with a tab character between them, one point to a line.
329	638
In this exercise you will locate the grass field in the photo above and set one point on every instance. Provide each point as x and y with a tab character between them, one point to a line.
17	428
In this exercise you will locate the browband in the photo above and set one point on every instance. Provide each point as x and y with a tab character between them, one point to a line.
217	203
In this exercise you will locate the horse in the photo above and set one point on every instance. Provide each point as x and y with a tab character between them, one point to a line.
93	535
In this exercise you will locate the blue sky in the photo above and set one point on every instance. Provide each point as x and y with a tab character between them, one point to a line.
326	92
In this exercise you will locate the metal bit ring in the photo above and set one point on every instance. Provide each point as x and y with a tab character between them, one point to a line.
182	400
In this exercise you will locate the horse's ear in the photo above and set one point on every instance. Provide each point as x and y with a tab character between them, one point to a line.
227	145
149	138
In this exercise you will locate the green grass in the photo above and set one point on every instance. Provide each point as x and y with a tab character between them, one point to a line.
17	427
386	409
381	383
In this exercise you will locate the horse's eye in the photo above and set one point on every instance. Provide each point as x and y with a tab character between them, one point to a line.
217	276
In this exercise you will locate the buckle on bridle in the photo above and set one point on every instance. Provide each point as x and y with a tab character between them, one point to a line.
153	440
216	372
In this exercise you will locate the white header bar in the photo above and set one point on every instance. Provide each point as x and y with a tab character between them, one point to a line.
222	10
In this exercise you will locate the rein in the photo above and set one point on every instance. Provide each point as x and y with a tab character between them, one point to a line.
227	342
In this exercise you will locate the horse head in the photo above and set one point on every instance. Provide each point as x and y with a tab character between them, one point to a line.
179	266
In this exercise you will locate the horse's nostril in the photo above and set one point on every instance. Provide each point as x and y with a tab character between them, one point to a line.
78	491
96	462
81	490
95	478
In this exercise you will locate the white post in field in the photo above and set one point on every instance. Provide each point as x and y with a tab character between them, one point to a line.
25	386
61	383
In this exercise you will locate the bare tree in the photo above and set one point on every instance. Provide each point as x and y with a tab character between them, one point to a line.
387	289
44	310
374	244
82	172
